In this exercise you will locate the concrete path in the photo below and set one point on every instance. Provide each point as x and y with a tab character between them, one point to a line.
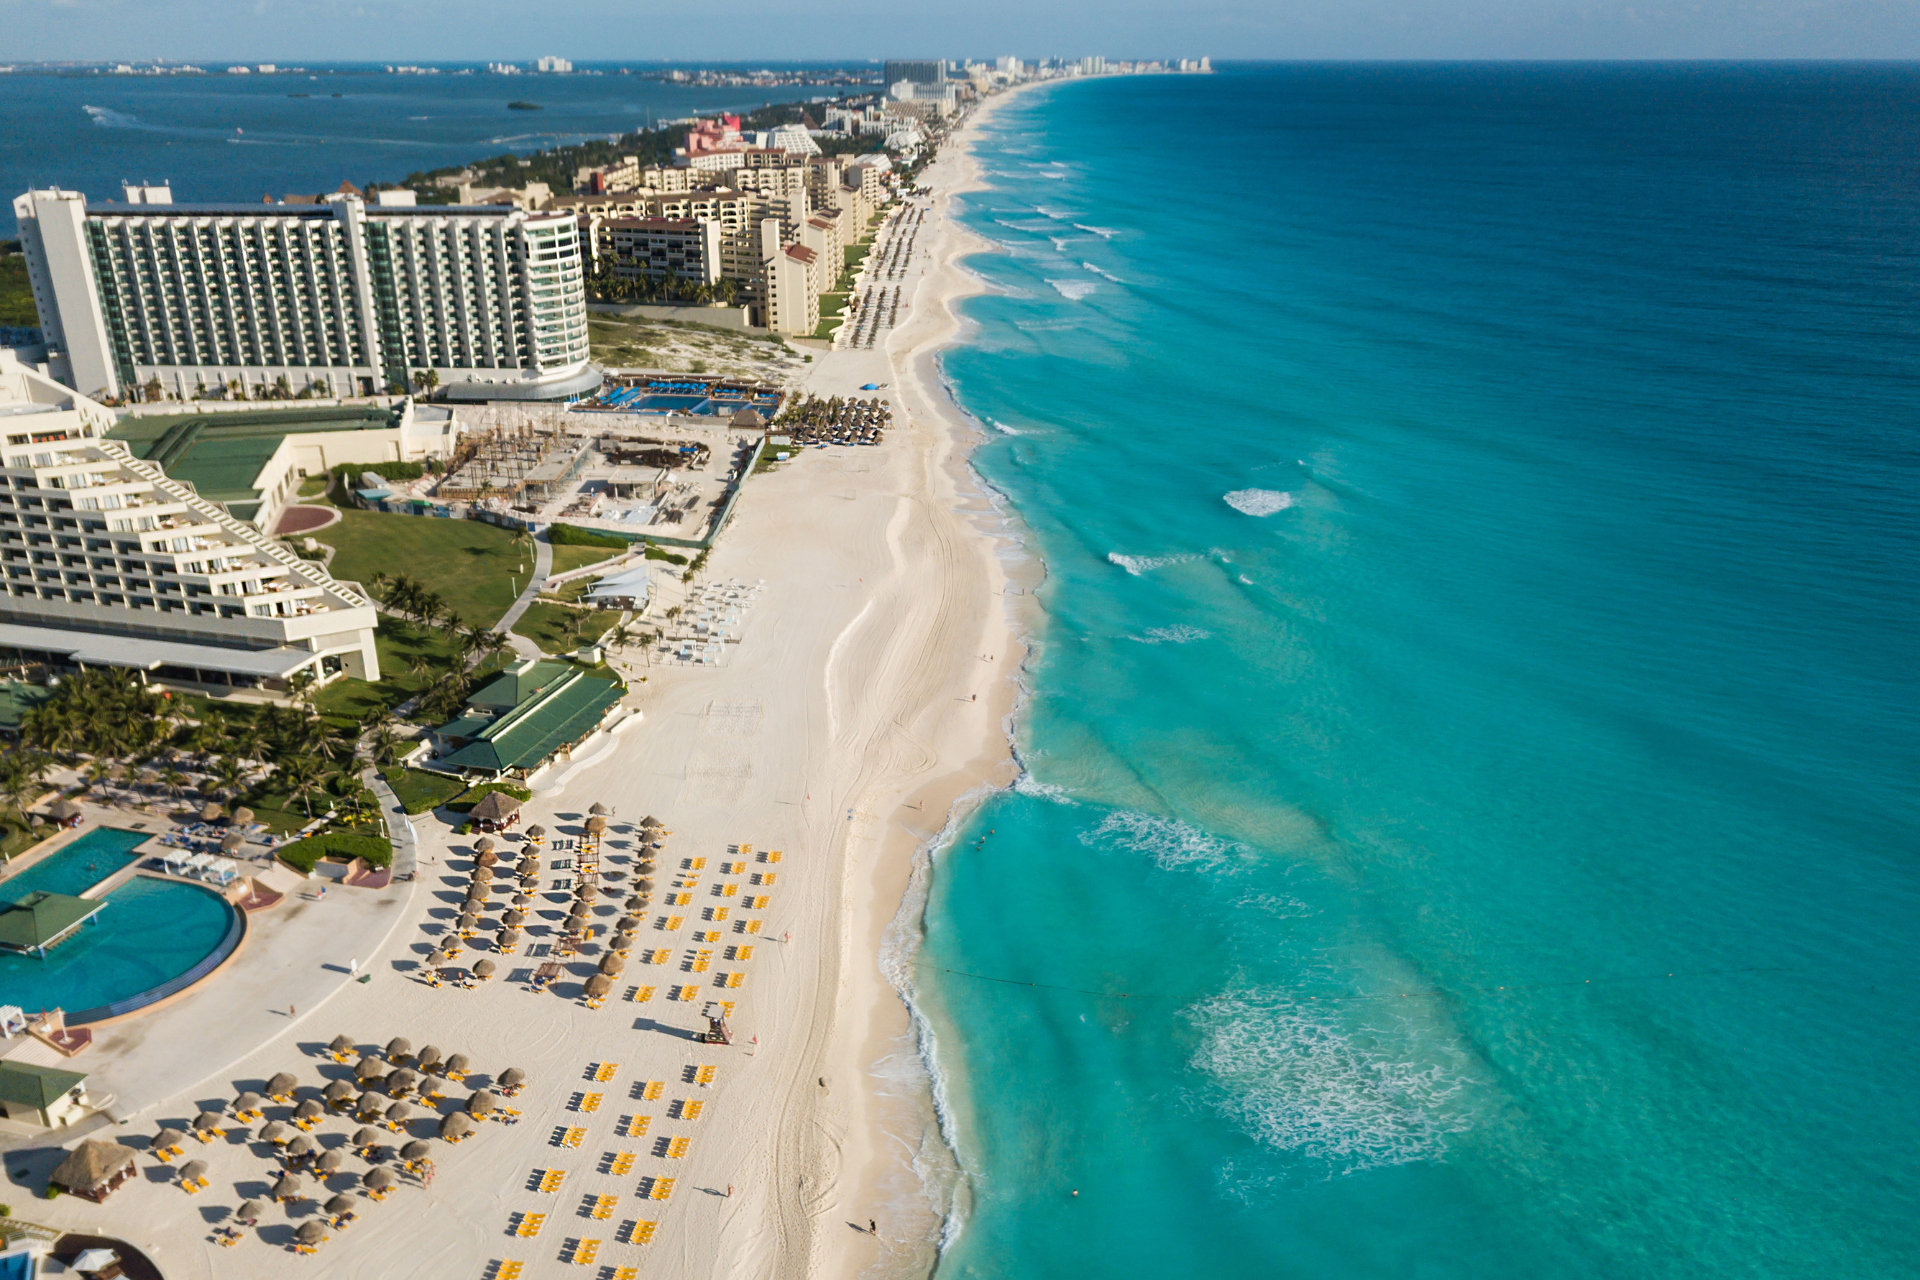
406	847
542	566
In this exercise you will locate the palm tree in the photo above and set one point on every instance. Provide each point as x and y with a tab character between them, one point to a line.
301	777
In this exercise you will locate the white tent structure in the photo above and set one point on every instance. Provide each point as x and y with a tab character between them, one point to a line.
628	589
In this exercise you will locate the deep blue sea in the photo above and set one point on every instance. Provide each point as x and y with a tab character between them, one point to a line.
1472	827
237	138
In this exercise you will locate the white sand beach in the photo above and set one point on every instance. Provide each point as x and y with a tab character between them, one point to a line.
859	706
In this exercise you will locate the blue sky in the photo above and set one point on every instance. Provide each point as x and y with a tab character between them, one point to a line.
420	30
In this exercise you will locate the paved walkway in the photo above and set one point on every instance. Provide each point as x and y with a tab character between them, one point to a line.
542	566
406	846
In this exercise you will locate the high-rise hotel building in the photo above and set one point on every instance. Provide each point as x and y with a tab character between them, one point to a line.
105	561
340	297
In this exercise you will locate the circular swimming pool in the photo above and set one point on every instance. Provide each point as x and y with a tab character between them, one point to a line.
153	934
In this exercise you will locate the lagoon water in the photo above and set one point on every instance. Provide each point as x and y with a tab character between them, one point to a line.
238	137
1471	822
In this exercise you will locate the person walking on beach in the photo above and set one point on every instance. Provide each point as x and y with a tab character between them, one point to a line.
873	1228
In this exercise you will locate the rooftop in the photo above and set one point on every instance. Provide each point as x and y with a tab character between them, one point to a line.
556	716
35	1086
42	919
222	454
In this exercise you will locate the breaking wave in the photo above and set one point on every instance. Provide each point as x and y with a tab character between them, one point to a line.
1137	565
1074	290
1339	1096
1027	785
1172	635
1258	502
1171	844
1102	271
1105	233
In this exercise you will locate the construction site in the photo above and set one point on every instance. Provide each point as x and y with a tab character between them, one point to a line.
521	463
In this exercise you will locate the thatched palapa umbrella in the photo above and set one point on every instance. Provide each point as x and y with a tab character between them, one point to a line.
523	900
210	812
596	825
643	885
192	1171
330	1161
627	924
232	842
597	809
428	1057
242	816
401	1082
364	1138
416	1150
310	1233
456	1125
458	1065
612	965
652	823
484	845
482	1102
506	938
249	1101
399	1049
370	1068
208	1121
309	1110
173	1138
485	859
586	891
341	1044
537	833
368	1104
275	1132
379	1179
598	986
288	1188
512	1078
249	1212
483	969
301	1146
339	1093
282	1085
514	919
339	1205
482	874
638	902
398	1113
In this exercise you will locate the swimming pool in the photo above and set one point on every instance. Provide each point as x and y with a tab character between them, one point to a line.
78	867
155	937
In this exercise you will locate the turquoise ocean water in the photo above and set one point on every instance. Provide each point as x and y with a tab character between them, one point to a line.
1471	823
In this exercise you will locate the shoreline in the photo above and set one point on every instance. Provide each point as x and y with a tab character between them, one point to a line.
900	1148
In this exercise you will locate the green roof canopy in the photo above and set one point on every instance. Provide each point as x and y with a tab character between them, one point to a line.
38	1087
515	687
17	697
559	714
42	919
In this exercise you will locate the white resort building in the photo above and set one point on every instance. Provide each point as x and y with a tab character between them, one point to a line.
335	298
108	562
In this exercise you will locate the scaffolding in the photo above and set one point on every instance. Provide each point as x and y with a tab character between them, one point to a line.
523	460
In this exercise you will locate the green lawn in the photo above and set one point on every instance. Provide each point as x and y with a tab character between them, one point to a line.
855	255
16	295
420	791
313	487
464	802
470	564
352	702
377	850
18	839
545	624
567	559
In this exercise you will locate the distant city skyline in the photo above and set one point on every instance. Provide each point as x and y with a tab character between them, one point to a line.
593	30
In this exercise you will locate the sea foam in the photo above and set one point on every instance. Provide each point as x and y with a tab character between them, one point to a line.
1073	290
1172	844
1258	502
1137	565
1172	635
1102	271
1105	233
1312	1080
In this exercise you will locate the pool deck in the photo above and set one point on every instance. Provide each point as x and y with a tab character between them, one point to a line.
295	957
